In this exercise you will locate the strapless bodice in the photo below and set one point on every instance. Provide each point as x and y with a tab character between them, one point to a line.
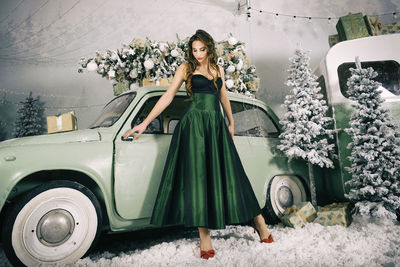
201	84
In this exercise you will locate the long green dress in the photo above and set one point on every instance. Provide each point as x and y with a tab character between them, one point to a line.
203	182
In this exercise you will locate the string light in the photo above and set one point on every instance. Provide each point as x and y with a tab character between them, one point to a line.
3	101
310	18
22	92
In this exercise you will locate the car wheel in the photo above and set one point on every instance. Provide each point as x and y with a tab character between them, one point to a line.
56	222
283	192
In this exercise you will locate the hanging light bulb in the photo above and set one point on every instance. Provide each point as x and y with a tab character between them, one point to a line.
394	15
329	20
276	15
294	18
309	19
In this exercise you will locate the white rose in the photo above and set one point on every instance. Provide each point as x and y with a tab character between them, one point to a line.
174	53
230	69
92	66
114	56
229	83
163	47
232	40
133	74
239	66
148	64
111	73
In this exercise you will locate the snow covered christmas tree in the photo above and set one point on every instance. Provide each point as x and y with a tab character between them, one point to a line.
30	120
375	149
3	134
305	127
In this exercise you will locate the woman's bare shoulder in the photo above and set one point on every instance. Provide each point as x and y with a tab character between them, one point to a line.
183	68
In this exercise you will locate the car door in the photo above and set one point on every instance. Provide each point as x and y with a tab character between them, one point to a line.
139	163
256	138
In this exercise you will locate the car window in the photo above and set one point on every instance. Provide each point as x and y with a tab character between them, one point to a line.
113	110
166	122
388	74
251	120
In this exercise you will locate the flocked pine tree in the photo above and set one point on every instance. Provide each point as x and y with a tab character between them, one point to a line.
30	120
305	127
3	134
375	149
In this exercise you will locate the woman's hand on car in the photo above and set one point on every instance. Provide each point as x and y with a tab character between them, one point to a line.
140	128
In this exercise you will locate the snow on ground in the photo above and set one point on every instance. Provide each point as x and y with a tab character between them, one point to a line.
366	242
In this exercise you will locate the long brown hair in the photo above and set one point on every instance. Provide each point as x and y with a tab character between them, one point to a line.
192	63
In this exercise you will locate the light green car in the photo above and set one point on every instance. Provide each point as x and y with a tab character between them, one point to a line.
59	191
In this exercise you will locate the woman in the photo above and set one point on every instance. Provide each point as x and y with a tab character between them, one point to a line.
203	182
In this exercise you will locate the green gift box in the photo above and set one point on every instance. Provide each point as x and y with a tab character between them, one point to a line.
374	25
298	215
120	87
351	26
391	28
333	39
334	214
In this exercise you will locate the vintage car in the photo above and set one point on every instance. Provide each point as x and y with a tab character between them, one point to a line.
59	191
380	52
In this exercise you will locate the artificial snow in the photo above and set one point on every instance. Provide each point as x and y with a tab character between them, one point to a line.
366	242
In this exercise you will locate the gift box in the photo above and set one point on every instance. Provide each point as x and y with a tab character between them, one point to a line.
351	26
334	214
391	28
162	82
120	87
374	25
333	39
298	215
61	123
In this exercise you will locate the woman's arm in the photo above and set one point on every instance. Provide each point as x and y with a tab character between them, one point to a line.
225	102
162	103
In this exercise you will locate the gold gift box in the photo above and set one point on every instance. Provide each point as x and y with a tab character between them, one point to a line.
298	215
61	123
163	82
334	214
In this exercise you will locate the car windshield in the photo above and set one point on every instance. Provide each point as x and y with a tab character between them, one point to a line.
113	110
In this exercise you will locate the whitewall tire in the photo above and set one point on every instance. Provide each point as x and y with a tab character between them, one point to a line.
56	222
283	192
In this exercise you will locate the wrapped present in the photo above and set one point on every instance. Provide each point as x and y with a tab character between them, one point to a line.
307	211
298	215
333	39
162	82
334	214
120	87
293	220
374	25
351	26
391	28
62	123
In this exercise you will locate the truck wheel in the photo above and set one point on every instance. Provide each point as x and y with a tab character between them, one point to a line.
56	222
283	192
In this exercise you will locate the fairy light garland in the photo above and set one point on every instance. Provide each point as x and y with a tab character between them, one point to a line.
309	18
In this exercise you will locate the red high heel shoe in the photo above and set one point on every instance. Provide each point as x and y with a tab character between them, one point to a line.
207	254
269	239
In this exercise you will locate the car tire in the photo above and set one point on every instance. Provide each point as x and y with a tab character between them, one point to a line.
283	192
56	222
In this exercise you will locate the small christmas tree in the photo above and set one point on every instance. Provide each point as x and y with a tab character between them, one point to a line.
30	120
375	149
305	126
3	133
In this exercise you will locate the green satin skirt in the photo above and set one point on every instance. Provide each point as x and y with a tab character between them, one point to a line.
203	182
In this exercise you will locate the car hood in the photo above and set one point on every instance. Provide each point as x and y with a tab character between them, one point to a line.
84	135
